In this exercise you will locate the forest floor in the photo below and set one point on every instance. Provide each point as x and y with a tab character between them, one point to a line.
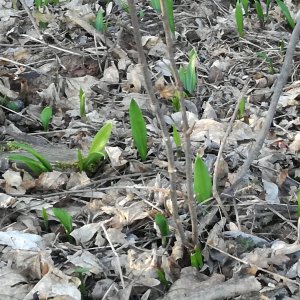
113	249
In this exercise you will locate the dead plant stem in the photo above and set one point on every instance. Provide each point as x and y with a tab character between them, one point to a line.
186	135
281	81
158	114
223	143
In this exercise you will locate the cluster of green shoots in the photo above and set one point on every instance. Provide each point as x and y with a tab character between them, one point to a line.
242	10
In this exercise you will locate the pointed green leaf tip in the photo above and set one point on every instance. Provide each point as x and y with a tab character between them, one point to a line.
46	116
202	181
64	218
101	138
239	18
162	223
138	129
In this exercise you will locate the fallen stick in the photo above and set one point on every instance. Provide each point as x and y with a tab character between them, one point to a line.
281	81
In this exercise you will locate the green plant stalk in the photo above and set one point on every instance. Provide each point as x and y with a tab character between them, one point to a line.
81	271
176	137
45	117
46	219
82	103
197	258
64	218
265	57
169	10
162	223
284	9
91	159
100	21
162	277
298	204
239	18
202	181
188	75
242	105
156	5
245	4
268	3
176	102
138	129
259	12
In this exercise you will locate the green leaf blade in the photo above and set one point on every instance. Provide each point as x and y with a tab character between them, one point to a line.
37	155
65	219
101	138
284	9
202	181
239	18
46	116
176	137
138	129
36	167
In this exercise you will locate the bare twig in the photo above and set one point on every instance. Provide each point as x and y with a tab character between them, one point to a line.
31	19
158	113
116	255
223	143
274	275
281	81
186	135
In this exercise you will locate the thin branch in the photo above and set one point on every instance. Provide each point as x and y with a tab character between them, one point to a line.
186	135
281	81
158	114
223	143
116	255
31	19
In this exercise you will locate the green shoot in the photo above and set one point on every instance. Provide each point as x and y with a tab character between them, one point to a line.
284	9
241	110
38	166
38	3
170	14
124	5
265	57
268	3
197	259
64	218
245	4
162	277
82	103
80	160
138	129
202	181
176	102
239	18
45	117
100	23
298	204
156	5
101	138
15	105
176	137
188	75
46	219
81	271
162	223
259	12
96	149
